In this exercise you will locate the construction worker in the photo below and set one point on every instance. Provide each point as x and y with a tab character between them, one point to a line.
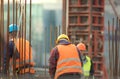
64	61
21	52
88	69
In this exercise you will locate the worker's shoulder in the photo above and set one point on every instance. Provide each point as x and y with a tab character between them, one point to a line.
23	39
55	48
88	57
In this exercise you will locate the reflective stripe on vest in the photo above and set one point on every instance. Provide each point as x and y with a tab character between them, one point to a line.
68	60
67	67
87	66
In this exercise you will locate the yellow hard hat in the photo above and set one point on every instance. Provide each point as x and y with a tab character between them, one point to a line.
62	36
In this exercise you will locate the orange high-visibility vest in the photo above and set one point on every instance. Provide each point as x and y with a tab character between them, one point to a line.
25	53
69	61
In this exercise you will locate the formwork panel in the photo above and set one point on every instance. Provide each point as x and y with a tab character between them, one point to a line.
86	23
83	2
73	2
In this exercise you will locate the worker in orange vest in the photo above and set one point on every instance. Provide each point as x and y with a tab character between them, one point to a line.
21	52
64	61
87	63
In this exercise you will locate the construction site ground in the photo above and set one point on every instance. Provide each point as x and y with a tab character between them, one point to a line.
41	73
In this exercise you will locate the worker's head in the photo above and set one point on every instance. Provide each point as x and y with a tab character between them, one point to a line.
82	48
62	36
13	28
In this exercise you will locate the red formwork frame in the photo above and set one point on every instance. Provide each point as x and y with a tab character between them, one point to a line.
94	26
64	16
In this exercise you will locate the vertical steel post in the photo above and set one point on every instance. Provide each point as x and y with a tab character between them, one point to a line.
59	30
14	56
51	37
119	49
55	34
20	27
7	53
90	32
112	48
1	37
116	52
22	33
30	24
1	33
24	52
109	47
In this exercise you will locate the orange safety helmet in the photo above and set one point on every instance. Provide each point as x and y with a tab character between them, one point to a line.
81	46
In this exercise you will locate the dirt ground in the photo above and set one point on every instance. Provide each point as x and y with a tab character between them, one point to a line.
40	74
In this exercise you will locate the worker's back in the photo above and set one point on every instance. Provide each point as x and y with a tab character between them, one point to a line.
25	55
69	61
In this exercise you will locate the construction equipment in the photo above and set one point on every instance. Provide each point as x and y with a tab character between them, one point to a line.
83	21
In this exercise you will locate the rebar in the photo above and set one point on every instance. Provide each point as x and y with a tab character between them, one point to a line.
118	46
56	34
14	56
7	37
1	34
45	38
25	35
30	30
16	16
114	42
16	11
59	32
109	45
113	48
